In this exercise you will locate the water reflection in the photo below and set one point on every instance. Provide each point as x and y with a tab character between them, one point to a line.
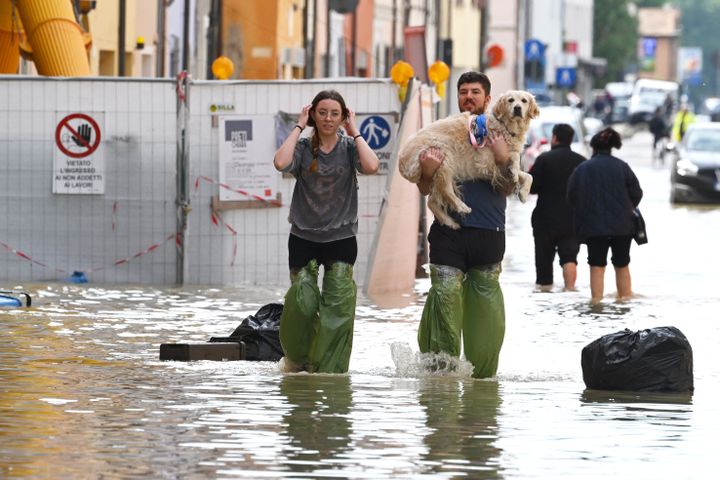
462	420
317	420
616	397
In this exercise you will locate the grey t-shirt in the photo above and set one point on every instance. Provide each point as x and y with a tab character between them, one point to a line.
325	201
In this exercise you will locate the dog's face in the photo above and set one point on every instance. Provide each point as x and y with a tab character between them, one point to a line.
516	105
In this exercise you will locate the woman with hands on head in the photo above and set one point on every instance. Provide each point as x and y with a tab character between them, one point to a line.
316	329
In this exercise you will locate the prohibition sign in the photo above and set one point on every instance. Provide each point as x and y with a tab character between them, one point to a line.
86	145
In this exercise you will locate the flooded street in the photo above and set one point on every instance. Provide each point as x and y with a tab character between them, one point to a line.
83	394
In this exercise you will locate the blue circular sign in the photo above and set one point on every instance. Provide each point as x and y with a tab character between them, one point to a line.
376	131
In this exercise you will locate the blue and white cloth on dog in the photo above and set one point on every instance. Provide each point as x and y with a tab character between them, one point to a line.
479	128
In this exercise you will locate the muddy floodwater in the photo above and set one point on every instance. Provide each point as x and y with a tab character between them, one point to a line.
84	395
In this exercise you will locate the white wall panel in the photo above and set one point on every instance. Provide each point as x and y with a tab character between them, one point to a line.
75	232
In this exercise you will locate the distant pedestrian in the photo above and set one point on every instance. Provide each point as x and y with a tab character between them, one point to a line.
552	217
659	130
603	192
683	118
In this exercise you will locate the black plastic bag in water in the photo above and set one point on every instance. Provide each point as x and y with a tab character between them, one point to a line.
652	360
260	333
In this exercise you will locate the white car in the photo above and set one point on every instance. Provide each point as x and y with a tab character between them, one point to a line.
540	133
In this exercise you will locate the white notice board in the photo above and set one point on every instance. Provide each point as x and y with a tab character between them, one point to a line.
246	151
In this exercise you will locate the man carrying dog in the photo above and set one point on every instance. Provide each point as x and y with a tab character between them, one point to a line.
552	217
465	298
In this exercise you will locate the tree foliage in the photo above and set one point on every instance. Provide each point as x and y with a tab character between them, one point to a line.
614	38
700	20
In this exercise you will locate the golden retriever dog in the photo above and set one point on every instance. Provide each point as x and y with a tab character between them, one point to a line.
510	117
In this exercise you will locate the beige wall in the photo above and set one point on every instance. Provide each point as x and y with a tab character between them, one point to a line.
263	29
504	32
140	20
465	25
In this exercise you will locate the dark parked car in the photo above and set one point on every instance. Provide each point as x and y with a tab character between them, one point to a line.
711	108
695	175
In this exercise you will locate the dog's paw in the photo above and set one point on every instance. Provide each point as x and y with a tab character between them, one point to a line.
523	192
452	224
462	208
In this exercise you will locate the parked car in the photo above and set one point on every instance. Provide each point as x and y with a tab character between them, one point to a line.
695	174
540	133
711	108
649	94
620	93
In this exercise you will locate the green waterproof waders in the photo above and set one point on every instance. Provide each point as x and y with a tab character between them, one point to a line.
332	345
483	321
442	316
299	318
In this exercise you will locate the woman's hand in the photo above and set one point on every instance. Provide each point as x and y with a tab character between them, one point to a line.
349	124
304	116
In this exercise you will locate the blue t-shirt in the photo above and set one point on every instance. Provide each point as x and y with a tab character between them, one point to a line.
488	206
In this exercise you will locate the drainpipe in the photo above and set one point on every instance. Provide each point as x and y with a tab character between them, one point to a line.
483	33
186	36
121	40
160	55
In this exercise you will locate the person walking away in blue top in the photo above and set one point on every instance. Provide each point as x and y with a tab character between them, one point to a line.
465	298
552	217
603	192
316	330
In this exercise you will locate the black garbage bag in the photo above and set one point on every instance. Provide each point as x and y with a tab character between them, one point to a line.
260	333
652	360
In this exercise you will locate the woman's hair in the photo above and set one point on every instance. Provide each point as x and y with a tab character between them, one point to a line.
605	140
324	95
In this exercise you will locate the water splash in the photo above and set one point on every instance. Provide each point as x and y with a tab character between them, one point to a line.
416	364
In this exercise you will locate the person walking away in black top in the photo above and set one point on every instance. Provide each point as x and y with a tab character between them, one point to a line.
603	192
659	129
552	217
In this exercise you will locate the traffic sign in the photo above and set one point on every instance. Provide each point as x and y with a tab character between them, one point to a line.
376	131
565	77
534	49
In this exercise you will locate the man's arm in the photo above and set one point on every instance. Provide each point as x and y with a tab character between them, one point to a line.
430	160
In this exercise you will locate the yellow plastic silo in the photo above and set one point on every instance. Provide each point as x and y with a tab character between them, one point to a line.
57	41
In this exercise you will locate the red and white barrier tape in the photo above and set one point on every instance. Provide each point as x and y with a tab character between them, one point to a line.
180	86
26	257
241	192
176	236
216	220
140	254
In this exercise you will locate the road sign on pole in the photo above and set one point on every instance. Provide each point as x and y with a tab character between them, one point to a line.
565	77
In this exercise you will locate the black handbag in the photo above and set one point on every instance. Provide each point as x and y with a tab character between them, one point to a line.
640	235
